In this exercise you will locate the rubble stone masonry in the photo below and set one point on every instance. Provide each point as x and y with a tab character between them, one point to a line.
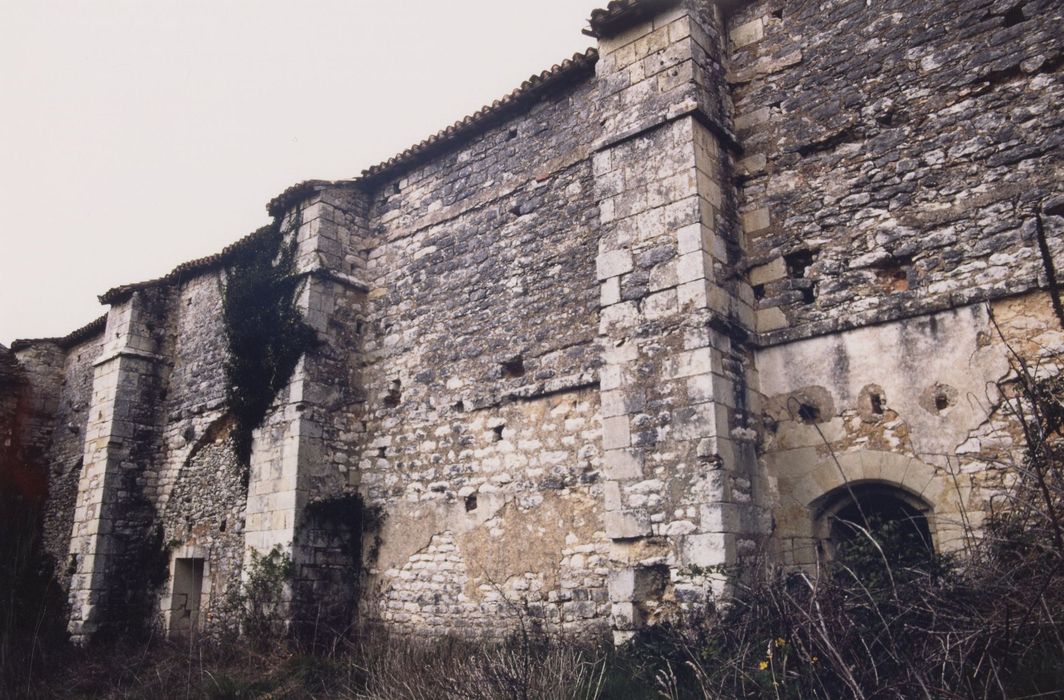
630	326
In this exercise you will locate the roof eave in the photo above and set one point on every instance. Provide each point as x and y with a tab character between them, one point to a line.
622	14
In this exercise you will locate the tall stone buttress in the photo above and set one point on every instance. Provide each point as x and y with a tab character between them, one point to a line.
113	518
675	315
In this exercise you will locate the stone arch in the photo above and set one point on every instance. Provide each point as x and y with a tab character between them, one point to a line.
838	514
805	478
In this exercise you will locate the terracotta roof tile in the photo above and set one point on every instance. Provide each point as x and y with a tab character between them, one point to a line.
532	89
535	87
622	13
89	330
301	191
184	270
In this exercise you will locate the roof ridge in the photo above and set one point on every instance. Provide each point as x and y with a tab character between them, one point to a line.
531	88
90	329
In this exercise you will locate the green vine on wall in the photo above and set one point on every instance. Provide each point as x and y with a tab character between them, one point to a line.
264	331
349	511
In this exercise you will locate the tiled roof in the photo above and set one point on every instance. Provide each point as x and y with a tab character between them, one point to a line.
620	14
301	191
185	270
530	90
89	330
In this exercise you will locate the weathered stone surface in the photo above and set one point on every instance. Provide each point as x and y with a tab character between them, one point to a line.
611	333
905	153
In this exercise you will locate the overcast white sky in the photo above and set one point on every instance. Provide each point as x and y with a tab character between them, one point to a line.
137	134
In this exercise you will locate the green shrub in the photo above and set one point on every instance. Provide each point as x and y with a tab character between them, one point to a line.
264	598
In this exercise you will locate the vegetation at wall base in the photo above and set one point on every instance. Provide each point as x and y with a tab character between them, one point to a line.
262	598
883	618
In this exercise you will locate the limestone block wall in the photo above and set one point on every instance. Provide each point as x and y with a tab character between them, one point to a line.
66	450
200	494
662	67
309	442
162	481
509	527
681	495
916	404
480	366
624	328
114	535
328	554
896	153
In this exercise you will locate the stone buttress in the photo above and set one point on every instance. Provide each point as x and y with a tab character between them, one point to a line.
675	316
113	518
302	451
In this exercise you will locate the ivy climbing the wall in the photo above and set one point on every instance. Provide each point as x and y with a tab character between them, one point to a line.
264	331
340	534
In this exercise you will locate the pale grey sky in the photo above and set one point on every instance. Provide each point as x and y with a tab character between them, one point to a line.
137	134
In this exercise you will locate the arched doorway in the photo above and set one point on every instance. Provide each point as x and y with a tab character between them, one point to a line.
873	520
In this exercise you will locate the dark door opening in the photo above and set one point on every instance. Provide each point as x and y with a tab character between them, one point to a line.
185	602
874	521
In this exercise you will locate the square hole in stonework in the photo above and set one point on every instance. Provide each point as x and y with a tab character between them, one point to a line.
513	368
395	394
798	262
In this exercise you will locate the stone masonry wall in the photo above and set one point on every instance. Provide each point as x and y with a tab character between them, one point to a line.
116	542
306	450
896	153
480	358
581	354
201	495
917	404
677	393
66	451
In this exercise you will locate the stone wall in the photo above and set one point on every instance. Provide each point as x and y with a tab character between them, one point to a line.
896	154
117	540
58	376
678	392
201	492
630	323
481	364
901	160
12	382
66	451
919	404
